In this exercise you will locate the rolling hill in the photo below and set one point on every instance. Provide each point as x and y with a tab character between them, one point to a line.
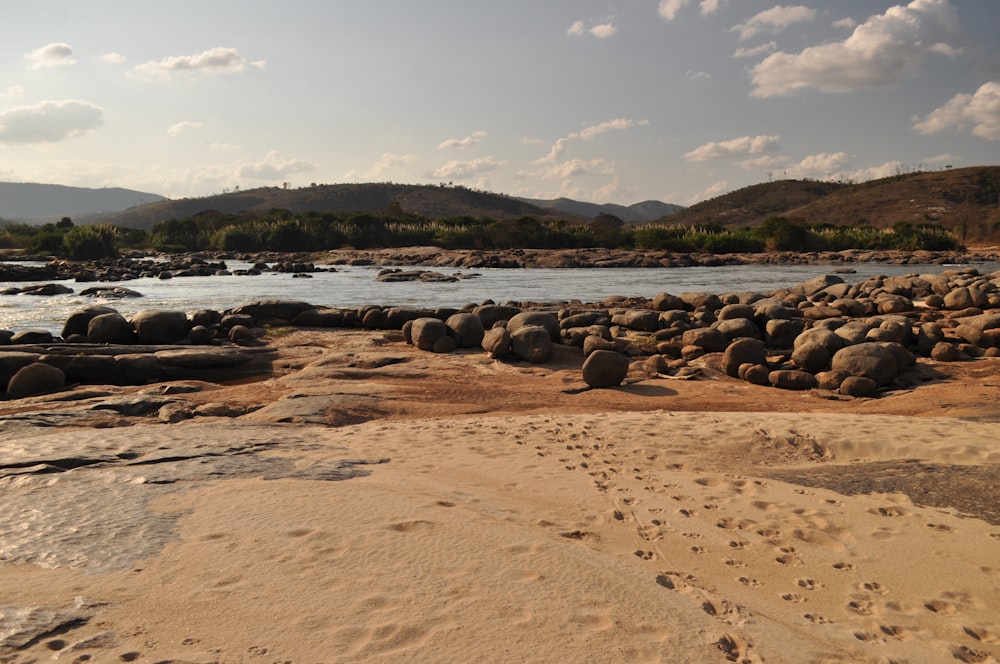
26	201
637	212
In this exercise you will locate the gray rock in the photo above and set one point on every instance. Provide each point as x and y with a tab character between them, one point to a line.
110	328
734	328
36	378
490	314
156	327
745	350
531	342
536	318
78	321
781	333
605	368
496	342
424	332
707	339
667	302
871	360
466	328
32	337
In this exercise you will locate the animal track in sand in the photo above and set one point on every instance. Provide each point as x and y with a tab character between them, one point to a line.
862	607
698	549
645	555
737	649
981	634
941	527
795	598
890	511
844	567
941	607
739	544
750	582
897	632
735	563
810	584
874	587
816	619
970	656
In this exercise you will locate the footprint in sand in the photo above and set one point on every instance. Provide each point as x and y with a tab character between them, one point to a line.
941	607
749	582
971	656
698	549
862	607
645	555
941	527
890	511
844	567
816	619
897	632
981	634
874	587
795	598
810	584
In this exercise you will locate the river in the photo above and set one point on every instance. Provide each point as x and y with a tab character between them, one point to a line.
354	286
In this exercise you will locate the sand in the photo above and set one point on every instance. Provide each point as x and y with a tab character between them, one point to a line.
500	514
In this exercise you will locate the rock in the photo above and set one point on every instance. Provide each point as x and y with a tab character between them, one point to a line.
496	342
792	379
46	290
199	335
815	285
605	368
285	310
735	311
373	319
757	374
156	327
830	380
586	319
852	332
490	314
241	334
821	336
656	365
641	320
871	360
466	328
11	362
593	343
666	302
136	369
79	320
206	318
696	300
36	378
811	357
32	337
781	333
707	339
535	318
110	328
424	332
944	352
110	292
90	368
734	328
745	350
531	342
964	298
858	386
445	344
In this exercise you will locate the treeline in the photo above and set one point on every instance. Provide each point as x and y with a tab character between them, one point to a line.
281	230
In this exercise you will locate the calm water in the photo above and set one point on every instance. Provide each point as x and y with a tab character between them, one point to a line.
354	286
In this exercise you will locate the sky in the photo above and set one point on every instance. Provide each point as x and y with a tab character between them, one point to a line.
601	101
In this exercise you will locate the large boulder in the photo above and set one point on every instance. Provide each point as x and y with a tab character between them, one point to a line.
156	327
811	357
734	328
262	310
79	320
605	368
792	379
496	342
466	328
640	320
32	337
871	360
491	314
707	339
666	302
36	378
110	328
745	350
538	319
425	332
781	333
531	342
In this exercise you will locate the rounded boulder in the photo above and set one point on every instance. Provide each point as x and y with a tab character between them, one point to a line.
605	368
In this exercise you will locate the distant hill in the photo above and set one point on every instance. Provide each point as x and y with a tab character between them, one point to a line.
431	201
966	200
31	202
637	212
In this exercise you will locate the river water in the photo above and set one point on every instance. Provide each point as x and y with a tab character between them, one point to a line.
354	286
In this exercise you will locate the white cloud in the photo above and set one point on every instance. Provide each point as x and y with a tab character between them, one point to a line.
462	143
588	133
946	158
274	167
884	50
845	23
668	8
13	92
820	166
462	170
756	50
113	58
217	60
774	20
980	111
767	161
528	140
578	167
49	121
711	192
734	148
601	31
386	162
885	170
692	75
179	128
53	55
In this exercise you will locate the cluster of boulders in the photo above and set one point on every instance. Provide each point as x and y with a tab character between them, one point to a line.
824	333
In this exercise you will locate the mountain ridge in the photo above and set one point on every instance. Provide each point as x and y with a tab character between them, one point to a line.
32	201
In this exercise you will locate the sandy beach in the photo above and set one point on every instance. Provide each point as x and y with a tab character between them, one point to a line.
371	502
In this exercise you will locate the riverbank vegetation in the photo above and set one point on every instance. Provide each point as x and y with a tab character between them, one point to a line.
281	230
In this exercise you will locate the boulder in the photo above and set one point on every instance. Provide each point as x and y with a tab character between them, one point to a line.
496	342
36	378
79	320
707	339
593	343
445	344
424	332
871	360
821	336
781	333
811	357
537	319
815	285
745	350
490	314
466	328
531	342
586	319
157	327
666	302
32	337
735	328
700	300
605	368
13	361
285	310
110	328
858	386
944	352
756	374
733	311
640	320
792	379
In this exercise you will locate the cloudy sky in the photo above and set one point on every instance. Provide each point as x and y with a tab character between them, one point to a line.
599	100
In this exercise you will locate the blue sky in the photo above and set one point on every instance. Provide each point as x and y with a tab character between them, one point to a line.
676	100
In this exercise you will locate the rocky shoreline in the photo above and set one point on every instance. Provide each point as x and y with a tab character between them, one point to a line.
205	264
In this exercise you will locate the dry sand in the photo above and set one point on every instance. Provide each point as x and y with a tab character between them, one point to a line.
509	517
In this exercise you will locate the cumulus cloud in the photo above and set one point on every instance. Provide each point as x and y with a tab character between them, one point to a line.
774	20
113	58
601	30
462	143
882	51
979	111
588	133
274	167
734	148
756	50
668	8
885	170
578	167
845	23
463	170
820	166
179	128
217	60
49	121
693	75
711	192
53	55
